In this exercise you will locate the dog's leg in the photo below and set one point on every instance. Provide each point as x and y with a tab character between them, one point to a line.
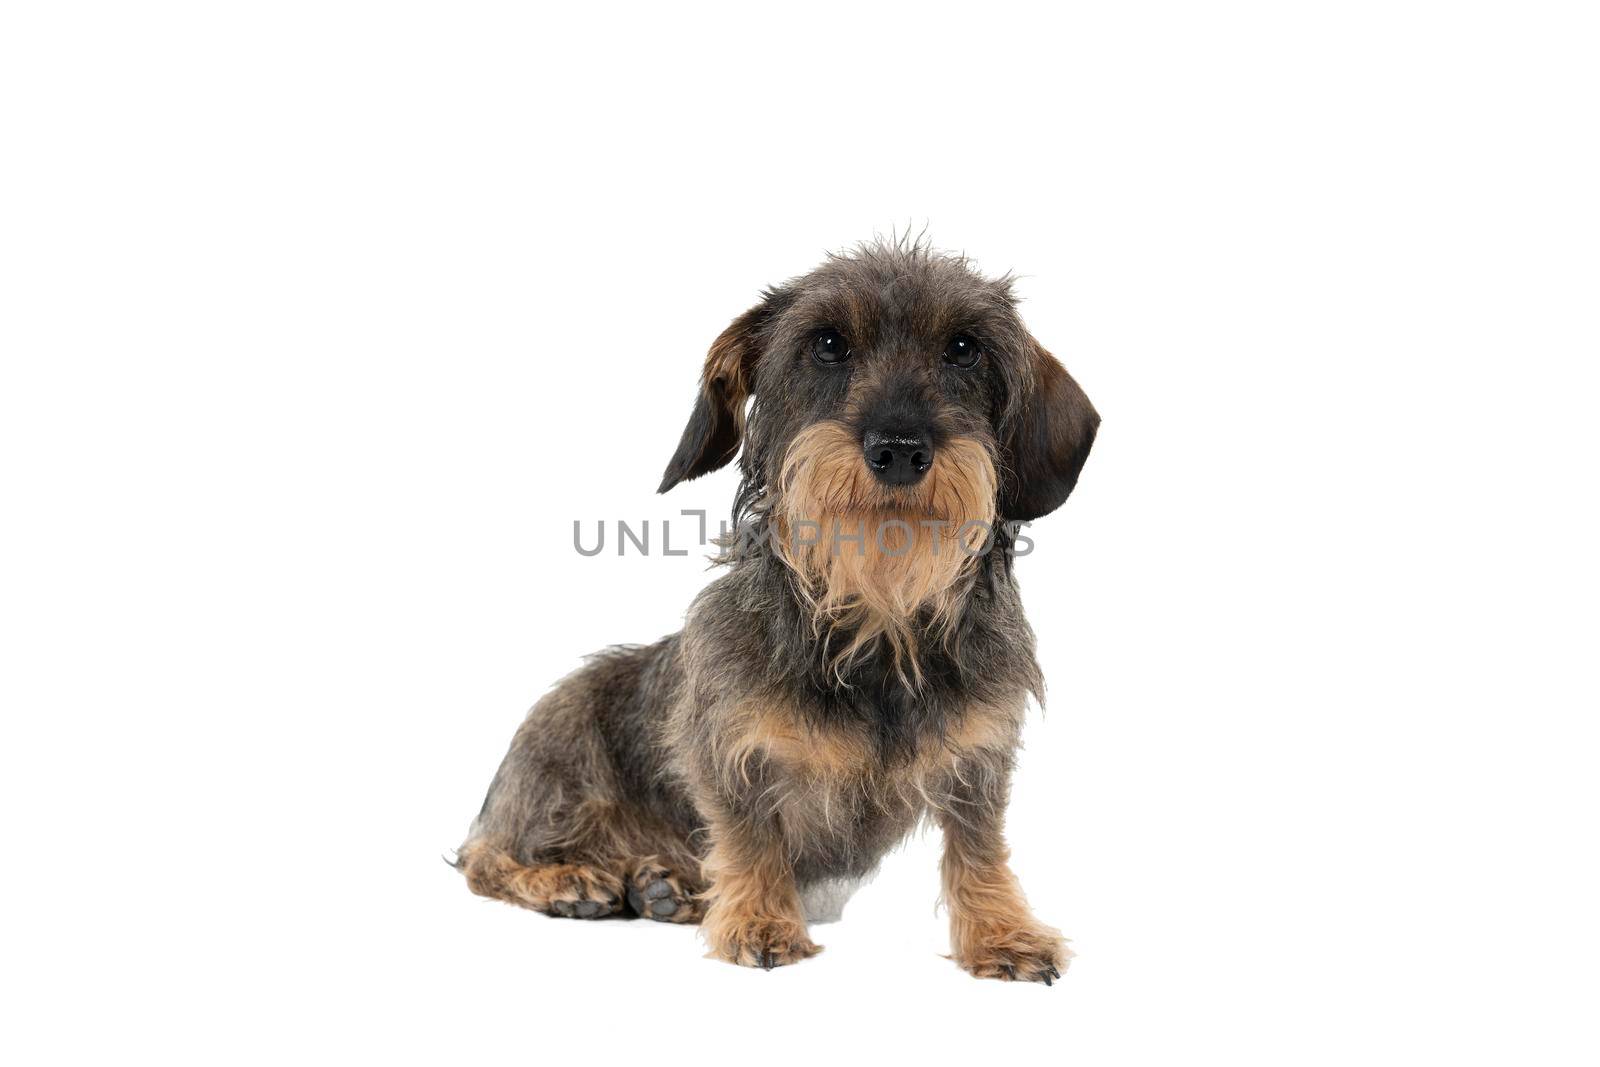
754	918
993	934
577	821
570	890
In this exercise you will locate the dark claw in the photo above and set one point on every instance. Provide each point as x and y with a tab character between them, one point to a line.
1011	972
768	960
1045	977
1053	972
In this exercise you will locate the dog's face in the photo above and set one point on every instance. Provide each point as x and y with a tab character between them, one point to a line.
891	380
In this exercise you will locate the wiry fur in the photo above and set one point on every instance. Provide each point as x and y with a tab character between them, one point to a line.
822	697
876	565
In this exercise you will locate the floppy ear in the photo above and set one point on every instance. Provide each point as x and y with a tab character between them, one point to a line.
1048	441
717	423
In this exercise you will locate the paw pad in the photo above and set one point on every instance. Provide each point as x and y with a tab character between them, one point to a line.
655	894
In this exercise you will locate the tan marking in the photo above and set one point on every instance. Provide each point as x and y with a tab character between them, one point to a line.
753	916
822	771
726	375
492	872
916	543
993	934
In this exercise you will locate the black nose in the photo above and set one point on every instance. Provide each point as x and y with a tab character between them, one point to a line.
897	458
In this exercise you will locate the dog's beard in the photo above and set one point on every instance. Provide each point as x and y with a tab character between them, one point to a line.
876	563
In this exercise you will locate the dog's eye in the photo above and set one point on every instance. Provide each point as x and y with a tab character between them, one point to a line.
830	347
962	351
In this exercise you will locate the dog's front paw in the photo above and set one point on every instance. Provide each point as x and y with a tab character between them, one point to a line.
1018	954
765	942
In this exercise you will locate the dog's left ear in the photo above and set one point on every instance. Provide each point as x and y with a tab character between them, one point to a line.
1048	441
716	425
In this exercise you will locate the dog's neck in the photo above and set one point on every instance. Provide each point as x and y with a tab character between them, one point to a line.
878	579
908	631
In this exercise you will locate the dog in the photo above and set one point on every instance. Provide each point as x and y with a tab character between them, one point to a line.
862	664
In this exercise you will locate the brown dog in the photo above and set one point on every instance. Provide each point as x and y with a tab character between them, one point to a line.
864	662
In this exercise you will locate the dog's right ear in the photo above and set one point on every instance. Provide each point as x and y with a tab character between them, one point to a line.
716	425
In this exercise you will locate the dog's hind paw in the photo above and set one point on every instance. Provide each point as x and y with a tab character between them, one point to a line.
656	893
576	891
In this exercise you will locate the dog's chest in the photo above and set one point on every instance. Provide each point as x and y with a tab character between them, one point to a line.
843	800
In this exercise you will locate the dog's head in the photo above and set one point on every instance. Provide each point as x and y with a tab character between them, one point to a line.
895	355
891	383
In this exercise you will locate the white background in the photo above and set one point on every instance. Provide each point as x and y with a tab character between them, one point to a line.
322	322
